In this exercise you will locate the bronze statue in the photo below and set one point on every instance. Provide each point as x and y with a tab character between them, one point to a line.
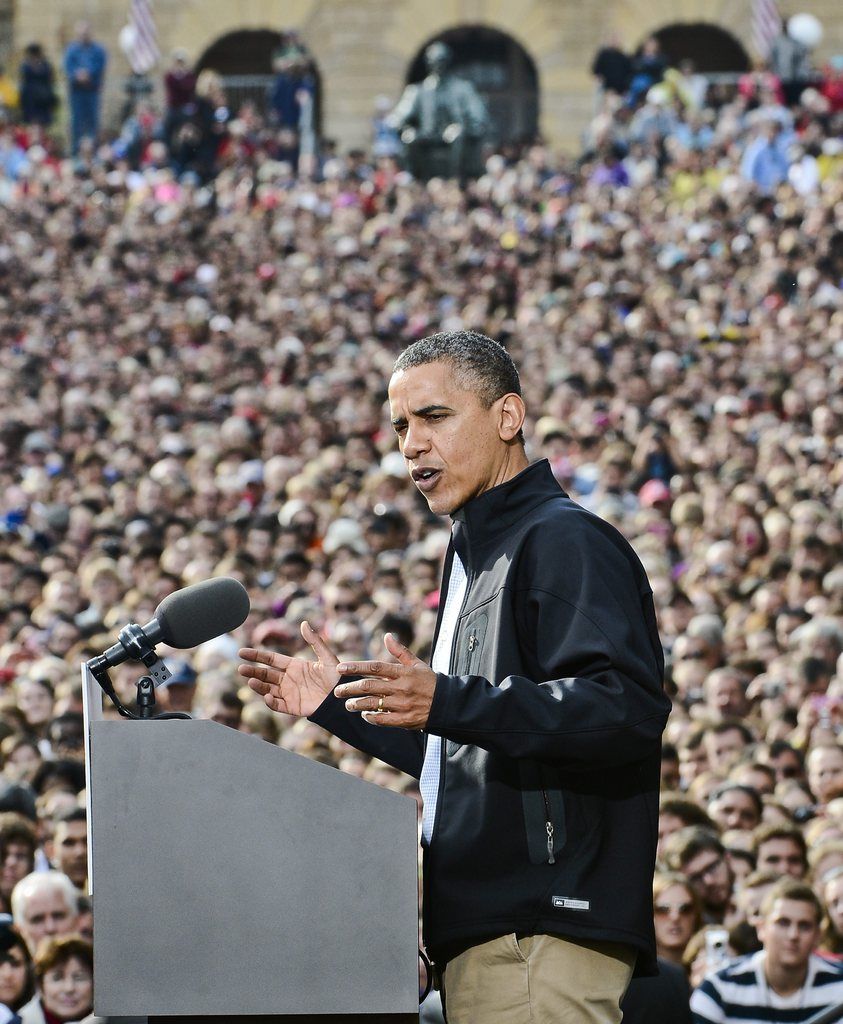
442	121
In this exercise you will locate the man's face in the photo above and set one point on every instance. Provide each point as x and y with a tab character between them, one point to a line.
46	914
734	809
724	748
452	445
749	902
789	932
711	878
17	862
825	773
70	845
783	856
693	761
670	778
725	696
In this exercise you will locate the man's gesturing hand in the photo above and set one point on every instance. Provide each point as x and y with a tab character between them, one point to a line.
390	694
293	686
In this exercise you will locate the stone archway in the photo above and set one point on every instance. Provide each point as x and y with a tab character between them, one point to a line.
245	60
244	52
503	72
711	48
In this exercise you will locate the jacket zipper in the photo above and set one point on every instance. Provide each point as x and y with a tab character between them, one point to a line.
549	827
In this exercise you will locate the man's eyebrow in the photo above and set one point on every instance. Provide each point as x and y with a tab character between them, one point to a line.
425	411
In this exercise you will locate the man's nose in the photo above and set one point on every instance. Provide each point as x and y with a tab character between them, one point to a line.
414	441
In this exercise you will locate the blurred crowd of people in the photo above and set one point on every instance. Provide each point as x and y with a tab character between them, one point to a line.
193	369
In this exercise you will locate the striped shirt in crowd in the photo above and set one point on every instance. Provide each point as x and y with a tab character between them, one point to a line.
739	994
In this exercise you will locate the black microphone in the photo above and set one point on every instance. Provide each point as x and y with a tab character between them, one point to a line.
184	619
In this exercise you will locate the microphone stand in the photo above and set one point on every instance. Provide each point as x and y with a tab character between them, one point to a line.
138	647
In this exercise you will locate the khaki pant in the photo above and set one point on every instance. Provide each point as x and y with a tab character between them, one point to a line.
537	979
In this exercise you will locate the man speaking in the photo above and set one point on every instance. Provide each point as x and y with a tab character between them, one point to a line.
535	731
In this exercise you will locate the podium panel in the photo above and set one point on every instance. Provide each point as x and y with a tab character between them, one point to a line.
233	878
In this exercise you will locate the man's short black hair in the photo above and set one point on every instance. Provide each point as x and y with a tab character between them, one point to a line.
482	364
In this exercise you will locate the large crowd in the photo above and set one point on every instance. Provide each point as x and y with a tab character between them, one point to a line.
192	383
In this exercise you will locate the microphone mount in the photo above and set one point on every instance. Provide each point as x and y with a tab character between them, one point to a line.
139	647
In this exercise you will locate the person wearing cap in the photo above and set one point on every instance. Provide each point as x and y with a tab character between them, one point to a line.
535	732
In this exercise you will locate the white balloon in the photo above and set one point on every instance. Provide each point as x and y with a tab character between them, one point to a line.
805	29
127	38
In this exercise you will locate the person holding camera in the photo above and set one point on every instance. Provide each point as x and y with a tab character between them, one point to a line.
784	980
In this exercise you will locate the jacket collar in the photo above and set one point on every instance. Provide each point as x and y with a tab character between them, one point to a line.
496	510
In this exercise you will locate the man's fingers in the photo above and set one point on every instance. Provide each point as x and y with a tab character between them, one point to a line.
318	643
367	687
265	673
399	651
383	703
276	704
264	657
380	669
384	718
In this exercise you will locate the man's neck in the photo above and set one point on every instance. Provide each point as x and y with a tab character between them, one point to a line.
784	981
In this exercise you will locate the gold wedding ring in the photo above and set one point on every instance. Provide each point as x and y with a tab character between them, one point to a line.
380	703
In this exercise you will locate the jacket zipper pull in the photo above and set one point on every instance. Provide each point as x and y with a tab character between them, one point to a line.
550	858
472	642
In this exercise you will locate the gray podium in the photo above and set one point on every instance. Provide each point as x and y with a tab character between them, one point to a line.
234	879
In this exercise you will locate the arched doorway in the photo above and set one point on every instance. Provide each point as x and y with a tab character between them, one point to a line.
501	70
246	61
712	49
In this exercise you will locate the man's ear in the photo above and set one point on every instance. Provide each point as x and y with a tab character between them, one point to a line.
512	413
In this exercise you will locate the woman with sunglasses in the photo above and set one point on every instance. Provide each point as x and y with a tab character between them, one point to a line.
666	997
676	914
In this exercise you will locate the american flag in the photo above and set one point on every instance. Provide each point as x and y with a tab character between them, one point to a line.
766	26
142	51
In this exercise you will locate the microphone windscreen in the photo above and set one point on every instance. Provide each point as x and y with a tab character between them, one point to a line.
203	611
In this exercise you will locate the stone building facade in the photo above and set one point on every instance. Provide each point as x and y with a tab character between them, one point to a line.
365	48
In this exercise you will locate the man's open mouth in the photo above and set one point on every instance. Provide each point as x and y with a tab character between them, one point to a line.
425	478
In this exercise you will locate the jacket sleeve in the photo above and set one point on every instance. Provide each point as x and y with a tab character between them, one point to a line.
590	688
401	748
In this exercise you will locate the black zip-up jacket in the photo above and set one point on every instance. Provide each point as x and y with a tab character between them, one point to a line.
551	716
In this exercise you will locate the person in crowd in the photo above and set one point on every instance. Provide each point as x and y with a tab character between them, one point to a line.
698	855
64	974
456	407
648	68
784	976
733	806
84	66
790	62
781	849
179	82
831	894
37	89
677	915
45	904
17	975
67	850
612	67
18	843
